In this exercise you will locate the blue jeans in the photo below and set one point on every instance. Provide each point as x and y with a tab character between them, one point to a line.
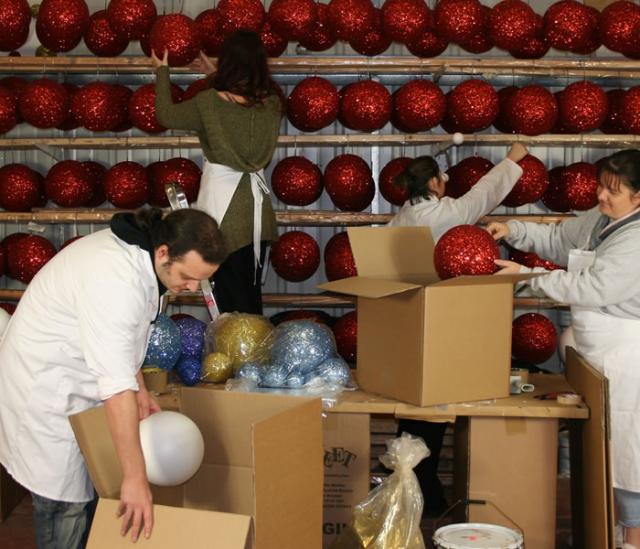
628	508
61	524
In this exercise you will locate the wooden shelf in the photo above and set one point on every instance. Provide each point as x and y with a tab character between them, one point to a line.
303	64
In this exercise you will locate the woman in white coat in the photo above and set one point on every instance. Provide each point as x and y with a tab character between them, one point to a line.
602	251
427	206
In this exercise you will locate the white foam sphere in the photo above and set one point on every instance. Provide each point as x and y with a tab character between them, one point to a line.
173	448
457	138
4	320
566	340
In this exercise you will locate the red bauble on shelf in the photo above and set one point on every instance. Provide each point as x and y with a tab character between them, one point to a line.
405	20
472	106
101	39
418	105
465	174
126	185
512	24
570	26
61	24
321	36
131	18
295	256
555	197
142	108
365	106
349	182
274	44
96	107
210	31
68	184
350	18
20	188
388	189
430	44
345	330
531	185
372	42
182	171
14	24
459	20
630	111
297	181
44	103
338	258
293	19
534	338
240	14
613	121
313	104
580	183
96	173
583	107
27	255
619	27
465	250
532	110
179	35
8	110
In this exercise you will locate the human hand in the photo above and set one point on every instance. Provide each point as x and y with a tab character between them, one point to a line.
507	267
157	62
136	507
202	64
517	151
498	230
147	405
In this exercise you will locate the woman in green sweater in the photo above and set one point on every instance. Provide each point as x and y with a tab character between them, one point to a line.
237	120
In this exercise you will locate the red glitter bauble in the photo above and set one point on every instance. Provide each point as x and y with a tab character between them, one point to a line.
338	258
630	111
580	185
365	106
69	241
430	44
533	110
465	250
350	18
465	174
297	181
372	42
534	47
16	86
8	110
345	330
559	125
503	121
240	15
274	44
120	98
27	256
70	121
313	104
613	122
295	256
619	26
142	108
594	42
419	105
126	185
472	105
61	24
303	314
20	188
480	42
94	107
68	185
44	103
390	191
555	197
182	171
405	20
321	36
178	316
459	20
534	338
531	185
293	19
569	25
179	35
131	18
583	107
532	260
14	24
96	173
101	39
8	244
195	88
349	183
210	31
512	24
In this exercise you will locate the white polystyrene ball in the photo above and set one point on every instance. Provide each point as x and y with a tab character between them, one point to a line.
457	138
173	448
4	320
566	340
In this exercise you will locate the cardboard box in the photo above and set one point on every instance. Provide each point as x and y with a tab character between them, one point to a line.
346	470
422	340
262	464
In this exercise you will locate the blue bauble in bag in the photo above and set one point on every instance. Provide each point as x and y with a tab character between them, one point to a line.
302	345
165	344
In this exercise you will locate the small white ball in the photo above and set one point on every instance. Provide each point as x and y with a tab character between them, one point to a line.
457	138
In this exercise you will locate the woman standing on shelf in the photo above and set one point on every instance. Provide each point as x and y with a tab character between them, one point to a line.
427	206
602	251
237	120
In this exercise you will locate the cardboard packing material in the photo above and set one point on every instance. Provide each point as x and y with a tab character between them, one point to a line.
260	484
422	340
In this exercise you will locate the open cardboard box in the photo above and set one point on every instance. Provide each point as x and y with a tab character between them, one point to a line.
424	340
260	483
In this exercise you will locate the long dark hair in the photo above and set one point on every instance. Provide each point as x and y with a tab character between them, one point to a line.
415	177
624	164
242	69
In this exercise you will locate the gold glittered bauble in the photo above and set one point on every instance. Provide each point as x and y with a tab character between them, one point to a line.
35	10
216	368
243	338
44	52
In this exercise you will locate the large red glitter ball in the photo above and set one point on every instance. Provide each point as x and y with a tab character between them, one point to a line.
44	103
583	107
472	105
531	185
142	108
295	256
338	258
8	244
70	121
390	191
313	104
96	173
349	183
555	197
8	110
27	256
503	121
131	18
16	86
14	24
120	97
293	19
302	314
94	106
479	42
210	31
532	260
619	26
465	174
430	44
350	18
101	39
68	184
534	47
126	185
569	26
580	185
178	34
297	181
345	330
459	20
534	338
372	42
419	105
240	14
405	20
630	111
465	250
613	122
365	106
533	110
20	188
182	171
512	24
61	24
321	36
195	88
274	44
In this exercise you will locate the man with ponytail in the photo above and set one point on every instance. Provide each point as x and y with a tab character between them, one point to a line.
76	341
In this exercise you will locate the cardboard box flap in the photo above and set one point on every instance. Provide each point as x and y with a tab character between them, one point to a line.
173	527
394	253
486	279
368	287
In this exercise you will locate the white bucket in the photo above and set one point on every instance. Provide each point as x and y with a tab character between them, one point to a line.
477	536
